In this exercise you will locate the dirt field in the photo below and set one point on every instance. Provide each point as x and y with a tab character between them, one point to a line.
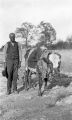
55	104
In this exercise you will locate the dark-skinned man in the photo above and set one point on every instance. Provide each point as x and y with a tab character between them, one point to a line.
13	58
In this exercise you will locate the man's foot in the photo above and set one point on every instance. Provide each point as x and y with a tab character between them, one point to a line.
26	88
39	93
15	92
8	93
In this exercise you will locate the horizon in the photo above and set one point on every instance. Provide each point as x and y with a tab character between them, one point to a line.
14	12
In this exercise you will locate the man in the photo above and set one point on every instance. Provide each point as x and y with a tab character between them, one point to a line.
43	71
13	58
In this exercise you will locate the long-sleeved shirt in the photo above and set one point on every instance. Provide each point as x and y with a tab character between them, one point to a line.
5	51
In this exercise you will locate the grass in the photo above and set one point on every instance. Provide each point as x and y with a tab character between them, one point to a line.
66	65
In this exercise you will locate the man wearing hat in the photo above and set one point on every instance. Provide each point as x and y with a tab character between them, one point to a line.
12	61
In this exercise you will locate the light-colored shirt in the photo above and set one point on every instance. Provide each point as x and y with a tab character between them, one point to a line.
20	51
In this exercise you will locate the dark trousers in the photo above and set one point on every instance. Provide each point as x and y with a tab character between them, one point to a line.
12	69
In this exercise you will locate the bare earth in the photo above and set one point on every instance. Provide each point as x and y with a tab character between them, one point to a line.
55	104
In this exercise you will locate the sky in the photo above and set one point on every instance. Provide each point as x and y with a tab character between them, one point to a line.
14	12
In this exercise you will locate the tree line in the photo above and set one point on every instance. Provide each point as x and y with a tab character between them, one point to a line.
44	34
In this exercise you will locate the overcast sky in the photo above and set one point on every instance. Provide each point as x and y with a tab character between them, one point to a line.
14	12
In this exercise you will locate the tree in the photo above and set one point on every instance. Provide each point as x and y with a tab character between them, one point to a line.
48	31
35	35
23	31
44	32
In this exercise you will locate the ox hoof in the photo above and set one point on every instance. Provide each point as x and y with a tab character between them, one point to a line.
45	88
26	89
39	93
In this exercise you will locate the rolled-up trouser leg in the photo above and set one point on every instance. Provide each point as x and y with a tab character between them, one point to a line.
15	74
10	75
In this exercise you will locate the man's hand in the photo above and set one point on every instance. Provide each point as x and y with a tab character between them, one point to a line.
19	64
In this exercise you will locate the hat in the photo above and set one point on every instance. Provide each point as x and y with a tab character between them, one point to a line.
4	73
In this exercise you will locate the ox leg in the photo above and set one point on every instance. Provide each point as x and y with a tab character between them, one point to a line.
26	80
40	81
29	79
45	85
40	85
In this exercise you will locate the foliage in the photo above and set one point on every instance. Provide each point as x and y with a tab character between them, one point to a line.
34	34
48	31
60	45
24	30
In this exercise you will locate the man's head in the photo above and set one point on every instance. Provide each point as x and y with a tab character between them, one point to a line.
12	37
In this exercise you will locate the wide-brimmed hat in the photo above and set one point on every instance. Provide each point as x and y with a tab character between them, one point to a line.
4	72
